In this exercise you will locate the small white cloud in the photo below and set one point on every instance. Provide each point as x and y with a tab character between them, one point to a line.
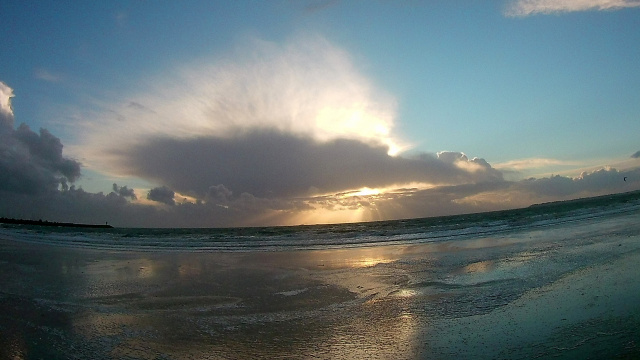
532	163
522	8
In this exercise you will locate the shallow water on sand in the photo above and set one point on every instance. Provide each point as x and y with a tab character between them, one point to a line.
566	290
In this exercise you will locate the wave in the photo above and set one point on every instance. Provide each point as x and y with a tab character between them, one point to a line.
319	237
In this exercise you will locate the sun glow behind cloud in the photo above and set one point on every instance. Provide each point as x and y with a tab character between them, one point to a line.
307	87
364	204
366	192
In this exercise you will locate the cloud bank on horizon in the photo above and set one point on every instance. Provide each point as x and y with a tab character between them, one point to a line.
520	8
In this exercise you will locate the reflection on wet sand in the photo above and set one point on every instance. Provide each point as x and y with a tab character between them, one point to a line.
356	258
15	347
194	307
479	267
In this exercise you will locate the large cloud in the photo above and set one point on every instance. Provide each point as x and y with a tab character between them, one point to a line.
276	164
272	121
307	87
532	7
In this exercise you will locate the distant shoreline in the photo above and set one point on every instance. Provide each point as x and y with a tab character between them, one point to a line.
52	223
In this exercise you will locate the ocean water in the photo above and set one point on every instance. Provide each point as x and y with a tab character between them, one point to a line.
334	236
550	281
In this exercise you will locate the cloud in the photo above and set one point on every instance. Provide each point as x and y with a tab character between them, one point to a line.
593	183
636	155
221	208
532	163
271	163
162	194
219	194
442	200
273	121
30	162
124	191
490	196
474	165
306	87
521	8
134	105
43	74
6	112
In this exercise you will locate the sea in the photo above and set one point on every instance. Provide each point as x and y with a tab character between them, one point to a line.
331	236
556	280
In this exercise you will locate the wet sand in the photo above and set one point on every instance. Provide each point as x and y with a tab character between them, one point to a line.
566	291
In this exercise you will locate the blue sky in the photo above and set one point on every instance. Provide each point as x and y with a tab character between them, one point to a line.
508	89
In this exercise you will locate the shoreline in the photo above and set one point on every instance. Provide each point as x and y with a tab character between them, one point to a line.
556	292
52	223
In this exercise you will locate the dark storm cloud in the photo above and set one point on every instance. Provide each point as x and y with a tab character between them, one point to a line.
33	162
636	155
124	191
30	162
46	149
275	164
162	194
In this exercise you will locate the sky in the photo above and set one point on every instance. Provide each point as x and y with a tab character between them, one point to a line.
287	112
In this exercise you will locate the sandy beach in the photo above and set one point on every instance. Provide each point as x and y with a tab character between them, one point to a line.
567	291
